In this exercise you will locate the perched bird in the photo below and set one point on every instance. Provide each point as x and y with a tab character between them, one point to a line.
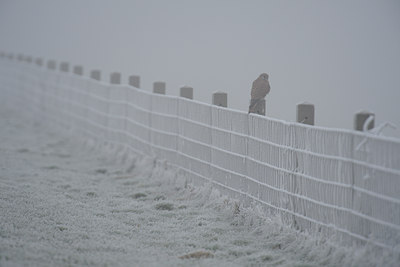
259	90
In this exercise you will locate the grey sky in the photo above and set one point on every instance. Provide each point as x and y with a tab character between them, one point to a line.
343	56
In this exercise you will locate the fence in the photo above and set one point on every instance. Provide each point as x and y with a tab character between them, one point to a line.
340	183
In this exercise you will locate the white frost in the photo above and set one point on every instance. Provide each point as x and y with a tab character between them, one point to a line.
67	200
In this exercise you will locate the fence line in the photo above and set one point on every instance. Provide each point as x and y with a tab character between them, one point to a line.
337	182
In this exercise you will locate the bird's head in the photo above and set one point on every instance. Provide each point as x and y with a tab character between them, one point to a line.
264	76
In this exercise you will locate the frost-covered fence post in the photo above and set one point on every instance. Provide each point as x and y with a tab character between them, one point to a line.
187	92
220	99
39	62
10	56
159	88
64	66
78	70
95	74
305	113
363	117
28	59
20	57
51	65
134	80
115	78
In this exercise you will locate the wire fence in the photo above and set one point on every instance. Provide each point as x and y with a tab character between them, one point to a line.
337	182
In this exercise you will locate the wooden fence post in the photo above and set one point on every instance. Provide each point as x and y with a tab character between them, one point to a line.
39	62
64	66
220	99
134	80
305	113
187	92
28	59
51	65
159	88
78	70
362	117
115	78
95	74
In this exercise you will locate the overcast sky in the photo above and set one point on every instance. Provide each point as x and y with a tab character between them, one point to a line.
343	56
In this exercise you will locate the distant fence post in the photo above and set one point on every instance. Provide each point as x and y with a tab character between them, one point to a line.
115	78
2	55
39	62
159	88
64	67
134	80
51	65
187	92
28	59
78	70
10	56
220	99
95	74
20	57
360	118
305	113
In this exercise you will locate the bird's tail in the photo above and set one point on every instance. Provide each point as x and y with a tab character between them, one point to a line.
253	103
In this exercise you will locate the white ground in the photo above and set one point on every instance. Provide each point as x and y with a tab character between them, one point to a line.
66	200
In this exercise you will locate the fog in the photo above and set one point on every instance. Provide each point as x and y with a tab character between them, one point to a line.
343	56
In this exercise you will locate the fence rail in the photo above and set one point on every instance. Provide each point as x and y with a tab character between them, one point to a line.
338	182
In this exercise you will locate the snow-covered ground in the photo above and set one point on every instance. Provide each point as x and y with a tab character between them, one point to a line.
67	200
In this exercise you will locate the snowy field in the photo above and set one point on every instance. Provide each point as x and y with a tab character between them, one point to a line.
66	200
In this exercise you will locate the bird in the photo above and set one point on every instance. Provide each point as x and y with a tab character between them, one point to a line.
259	90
